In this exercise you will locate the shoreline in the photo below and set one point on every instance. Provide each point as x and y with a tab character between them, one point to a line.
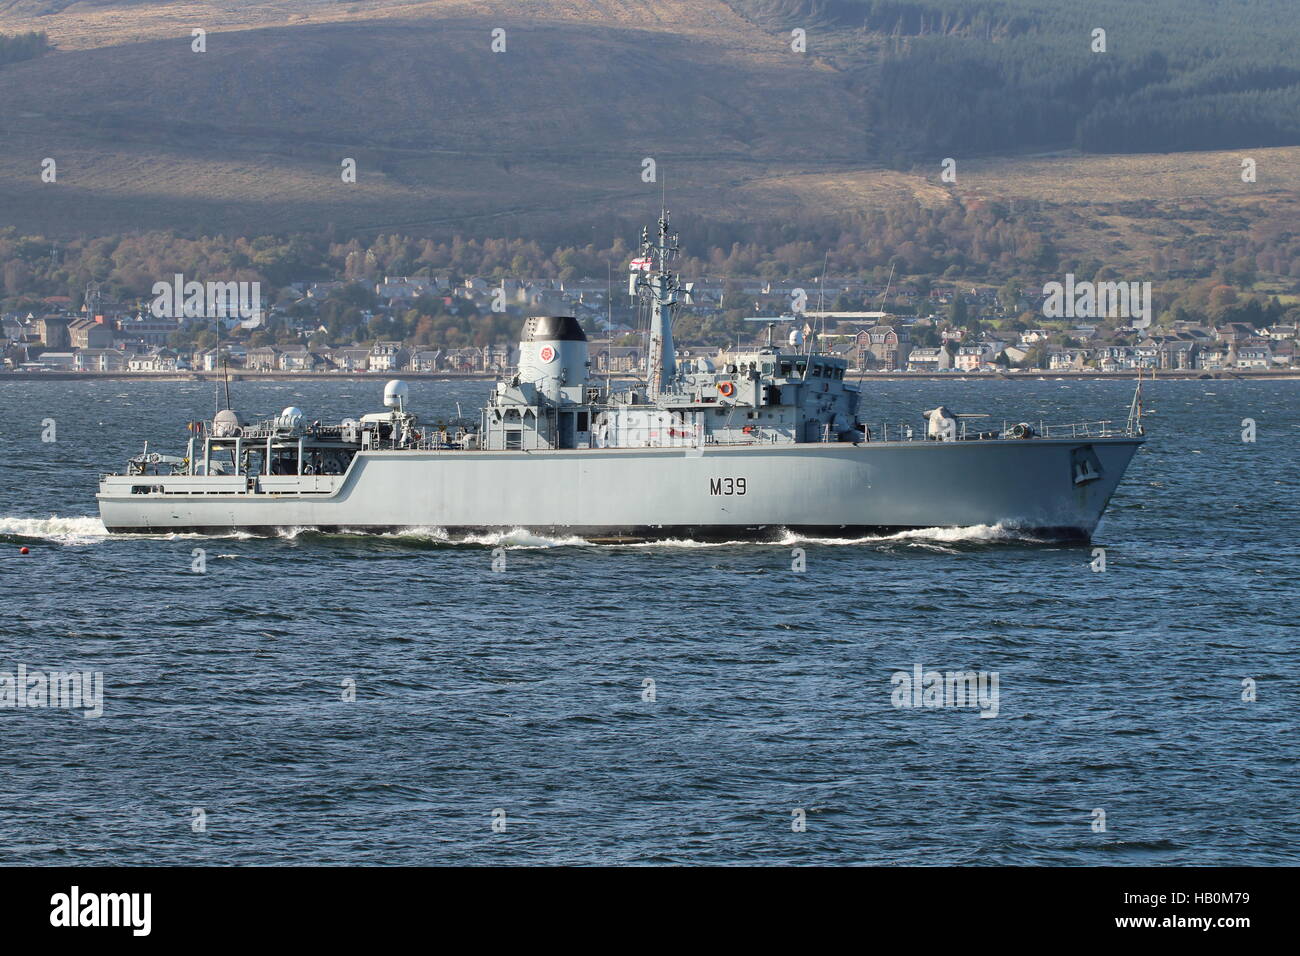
1085	375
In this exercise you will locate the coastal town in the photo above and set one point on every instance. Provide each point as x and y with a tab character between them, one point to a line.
919	328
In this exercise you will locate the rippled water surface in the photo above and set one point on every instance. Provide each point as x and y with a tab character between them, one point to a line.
524	690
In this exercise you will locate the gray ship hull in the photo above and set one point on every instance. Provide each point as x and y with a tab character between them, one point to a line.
1052	487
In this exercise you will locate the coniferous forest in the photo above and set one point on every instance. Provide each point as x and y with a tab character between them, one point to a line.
996	76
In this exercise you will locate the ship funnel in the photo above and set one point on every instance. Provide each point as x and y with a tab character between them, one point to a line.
552	354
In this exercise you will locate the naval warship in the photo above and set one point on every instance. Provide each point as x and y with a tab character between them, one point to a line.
752	443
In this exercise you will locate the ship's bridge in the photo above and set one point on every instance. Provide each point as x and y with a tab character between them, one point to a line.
767	395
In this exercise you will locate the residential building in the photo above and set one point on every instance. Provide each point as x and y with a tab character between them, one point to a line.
388	357
929	360
969	358
404	288
101	360
265	358
1248	356
90	334
1063	360
296	358
65	361
53	330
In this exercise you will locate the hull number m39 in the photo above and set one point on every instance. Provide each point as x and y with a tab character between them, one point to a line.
726	486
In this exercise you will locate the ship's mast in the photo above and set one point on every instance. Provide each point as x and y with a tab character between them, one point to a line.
662	285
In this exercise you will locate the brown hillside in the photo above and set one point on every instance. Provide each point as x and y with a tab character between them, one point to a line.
248	137
442	127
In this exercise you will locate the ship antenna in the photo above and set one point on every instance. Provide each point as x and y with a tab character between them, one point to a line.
821	290
216	390
224	368
609	325
656	256
1135	406
862	372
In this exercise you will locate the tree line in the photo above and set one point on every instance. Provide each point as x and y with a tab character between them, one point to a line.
963	77
22	46
957	244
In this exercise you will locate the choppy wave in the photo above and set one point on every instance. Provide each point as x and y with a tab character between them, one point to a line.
85	529
80	530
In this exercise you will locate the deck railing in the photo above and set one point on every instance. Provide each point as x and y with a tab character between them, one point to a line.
1010	431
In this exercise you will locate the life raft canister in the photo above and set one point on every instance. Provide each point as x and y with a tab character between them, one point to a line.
726	389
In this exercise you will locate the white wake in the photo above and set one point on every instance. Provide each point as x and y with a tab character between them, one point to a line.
83	530
90	530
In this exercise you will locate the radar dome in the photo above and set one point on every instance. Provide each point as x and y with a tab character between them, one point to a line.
290	417
225	423
395	393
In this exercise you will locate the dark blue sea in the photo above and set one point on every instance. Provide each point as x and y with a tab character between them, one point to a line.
520	698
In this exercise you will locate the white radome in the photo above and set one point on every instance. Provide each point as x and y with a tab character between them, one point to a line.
225	423
290	417
395	393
